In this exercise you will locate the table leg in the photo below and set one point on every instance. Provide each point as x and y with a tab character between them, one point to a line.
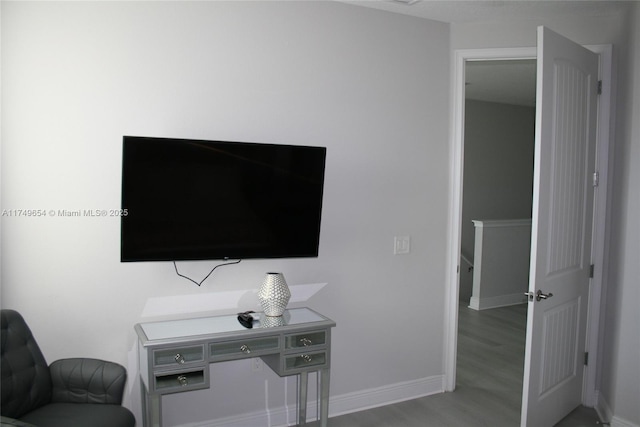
324	397
151	408
303	380
155	410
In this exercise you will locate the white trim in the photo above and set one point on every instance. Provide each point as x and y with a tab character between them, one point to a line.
621	422
258	418
601	222
602	408
605	414
385	395
455	191
338	405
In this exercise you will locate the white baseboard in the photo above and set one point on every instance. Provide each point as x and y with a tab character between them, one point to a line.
338	405
604	412
497	301
250	419
385	395
602	408
619	422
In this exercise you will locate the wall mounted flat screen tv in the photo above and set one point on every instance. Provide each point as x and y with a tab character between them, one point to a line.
198	200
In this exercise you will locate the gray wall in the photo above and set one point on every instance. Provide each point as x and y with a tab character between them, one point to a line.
77	76
498	167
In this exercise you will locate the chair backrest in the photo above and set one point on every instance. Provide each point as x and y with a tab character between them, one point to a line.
26	381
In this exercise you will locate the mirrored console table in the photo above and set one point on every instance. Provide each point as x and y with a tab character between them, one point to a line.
174	356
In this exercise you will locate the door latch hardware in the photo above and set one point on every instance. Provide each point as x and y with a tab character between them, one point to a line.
539	295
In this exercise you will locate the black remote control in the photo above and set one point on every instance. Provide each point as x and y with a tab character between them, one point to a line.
246	319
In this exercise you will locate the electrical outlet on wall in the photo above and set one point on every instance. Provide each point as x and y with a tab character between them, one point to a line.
401	245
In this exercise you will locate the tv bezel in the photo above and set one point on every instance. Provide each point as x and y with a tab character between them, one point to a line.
212	253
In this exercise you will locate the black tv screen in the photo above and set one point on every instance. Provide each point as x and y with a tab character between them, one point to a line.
195	200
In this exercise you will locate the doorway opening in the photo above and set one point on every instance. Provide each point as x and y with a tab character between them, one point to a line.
499	140
456	265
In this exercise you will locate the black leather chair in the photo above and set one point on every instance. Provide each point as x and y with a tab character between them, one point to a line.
69	393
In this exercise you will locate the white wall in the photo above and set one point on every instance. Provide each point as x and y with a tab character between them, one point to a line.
501	267
370	86
620	371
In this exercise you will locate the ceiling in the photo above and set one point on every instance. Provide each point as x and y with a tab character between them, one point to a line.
461	11
510	82
506	82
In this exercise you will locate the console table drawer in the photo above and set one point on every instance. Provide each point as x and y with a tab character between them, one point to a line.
306	360
244	348
178	356
170	382
305	339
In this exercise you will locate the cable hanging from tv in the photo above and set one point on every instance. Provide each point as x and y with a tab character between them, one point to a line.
205	277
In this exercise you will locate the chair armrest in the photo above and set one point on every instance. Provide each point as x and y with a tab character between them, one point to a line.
83	380
10	422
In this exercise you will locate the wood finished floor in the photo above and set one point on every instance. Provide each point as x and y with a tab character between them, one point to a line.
489	381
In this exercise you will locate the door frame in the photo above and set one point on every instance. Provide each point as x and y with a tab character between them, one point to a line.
601	222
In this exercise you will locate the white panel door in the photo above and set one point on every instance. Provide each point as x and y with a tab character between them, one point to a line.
561	229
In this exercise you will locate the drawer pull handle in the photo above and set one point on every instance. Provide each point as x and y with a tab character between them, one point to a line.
245	349
306	358
182	380
306	342
179	358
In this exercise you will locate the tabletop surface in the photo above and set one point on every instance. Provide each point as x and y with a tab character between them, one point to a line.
181	328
